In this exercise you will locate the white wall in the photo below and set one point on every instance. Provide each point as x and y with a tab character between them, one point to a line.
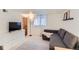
10	39
72	25
53	22
7	17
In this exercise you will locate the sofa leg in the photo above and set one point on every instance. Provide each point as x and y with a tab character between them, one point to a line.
52	48
1	47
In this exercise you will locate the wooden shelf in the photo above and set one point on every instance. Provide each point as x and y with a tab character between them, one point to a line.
68	19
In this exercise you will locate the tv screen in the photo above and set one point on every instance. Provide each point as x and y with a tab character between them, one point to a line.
14	26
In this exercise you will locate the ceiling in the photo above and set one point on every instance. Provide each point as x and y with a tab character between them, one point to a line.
36	10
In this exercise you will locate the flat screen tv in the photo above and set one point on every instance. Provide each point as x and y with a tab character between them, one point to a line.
14	26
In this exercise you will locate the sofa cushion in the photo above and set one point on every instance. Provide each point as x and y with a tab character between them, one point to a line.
70	40
47	34
61	33
55	40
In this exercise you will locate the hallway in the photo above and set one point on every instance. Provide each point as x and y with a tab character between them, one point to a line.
34	43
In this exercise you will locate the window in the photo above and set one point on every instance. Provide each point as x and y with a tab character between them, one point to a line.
40	20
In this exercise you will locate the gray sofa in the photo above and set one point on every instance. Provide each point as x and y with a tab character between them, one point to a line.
64	39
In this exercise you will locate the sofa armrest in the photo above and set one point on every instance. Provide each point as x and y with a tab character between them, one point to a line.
76	46
51	31
1	47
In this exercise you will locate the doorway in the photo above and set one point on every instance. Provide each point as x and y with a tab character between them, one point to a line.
25	25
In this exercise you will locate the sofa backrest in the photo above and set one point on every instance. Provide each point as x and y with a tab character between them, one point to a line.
61	33
70	40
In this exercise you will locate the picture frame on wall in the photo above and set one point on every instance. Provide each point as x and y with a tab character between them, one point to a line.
64	16
67	16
